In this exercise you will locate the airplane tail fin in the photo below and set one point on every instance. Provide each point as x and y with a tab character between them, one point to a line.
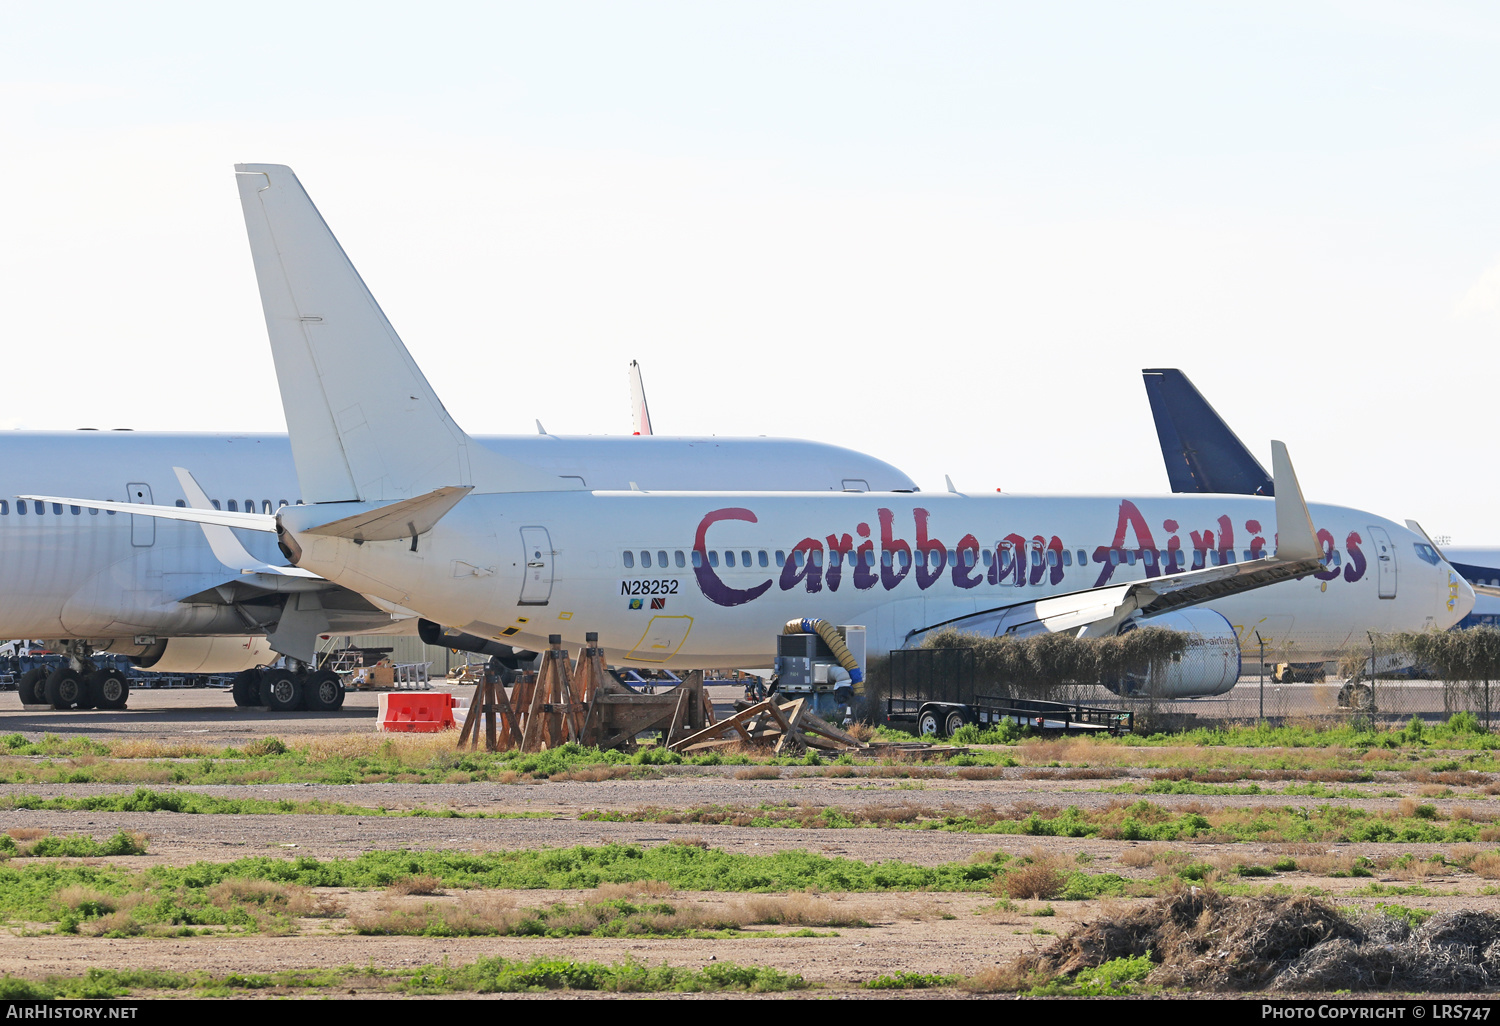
640	415
1201	452
364	422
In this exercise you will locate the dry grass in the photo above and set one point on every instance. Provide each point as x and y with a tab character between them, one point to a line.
424	884
802	910
594	774
79	896
1327	864
146	748
1486	864
635	889
758	773
27	833
1147	855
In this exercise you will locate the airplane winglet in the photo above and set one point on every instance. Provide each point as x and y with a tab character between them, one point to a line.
226	547
1295	536
640	414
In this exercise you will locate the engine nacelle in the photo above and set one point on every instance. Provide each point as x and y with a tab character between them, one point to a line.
1209	666
205	655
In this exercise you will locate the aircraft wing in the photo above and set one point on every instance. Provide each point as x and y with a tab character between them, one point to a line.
1100	611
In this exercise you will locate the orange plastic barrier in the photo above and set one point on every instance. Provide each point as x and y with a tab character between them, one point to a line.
423	712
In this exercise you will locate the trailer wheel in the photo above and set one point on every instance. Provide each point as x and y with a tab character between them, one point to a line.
29	686
952	724
928	723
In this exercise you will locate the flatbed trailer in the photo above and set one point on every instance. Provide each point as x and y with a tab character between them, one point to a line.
939	689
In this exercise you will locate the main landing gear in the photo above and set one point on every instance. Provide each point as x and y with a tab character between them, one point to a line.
288	689
76	684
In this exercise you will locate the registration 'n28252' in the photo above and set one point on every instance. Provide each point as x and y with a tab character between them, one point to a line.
658	587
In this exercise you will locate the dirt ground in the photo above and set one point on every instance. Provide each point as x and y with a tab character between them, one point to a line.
938	933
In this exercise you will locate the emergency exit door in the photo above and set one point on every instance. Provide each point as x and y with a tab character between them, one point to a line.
142	529
536	586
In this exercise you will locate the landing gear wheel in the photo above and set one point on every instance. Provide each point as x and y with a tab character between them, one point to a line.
281	691
65	688
928	723
30	686
952	724
108	689
246	688
323	692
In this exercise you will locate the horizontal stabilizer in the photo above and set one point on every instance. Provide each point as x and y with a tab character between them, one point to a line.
405	519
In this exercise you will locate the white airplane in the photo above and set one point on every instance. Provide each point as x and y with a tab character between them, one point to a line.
403	507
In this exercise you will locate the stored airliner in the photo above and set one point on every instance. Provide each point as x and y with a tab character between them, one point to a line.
403	507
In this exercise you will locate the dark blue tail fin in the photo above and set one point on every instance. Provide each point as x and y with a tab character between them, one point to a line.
1201	452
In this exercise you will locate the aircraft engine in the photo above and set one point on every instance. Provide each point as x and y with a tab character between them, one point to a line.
205	655
1209	666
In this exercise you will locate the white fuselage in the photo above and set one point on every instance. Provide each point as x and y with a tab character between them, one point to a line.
663	578
74	573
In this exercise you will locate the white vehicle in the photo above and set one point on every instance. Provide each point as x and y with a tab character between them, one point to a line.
405	508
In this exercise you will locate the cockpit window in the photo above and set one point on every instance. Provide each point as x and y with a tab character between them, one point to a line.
1427	553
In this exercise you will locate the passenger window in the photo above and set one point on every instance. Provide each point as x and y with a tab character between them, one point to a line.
216	503
21	507
968	557
629	560
661	559
234	507
729	557
697	559
905	558
645	559
1052	557
780	557
1036	557
817	557
57	509
1114	557
1067	557
181	502
283	502
265	506
952	558
989	558
1130	557
764	559
1083	558
745	557
4	508
713	557
249	505
678	558
93	512
799	557
1148	556
74	510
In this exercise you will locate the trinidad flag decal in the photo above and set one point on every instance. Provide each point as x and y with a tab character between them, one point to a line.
658	603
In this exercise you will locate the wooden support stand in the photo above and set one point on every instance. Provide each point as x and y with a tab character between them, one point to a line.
581	702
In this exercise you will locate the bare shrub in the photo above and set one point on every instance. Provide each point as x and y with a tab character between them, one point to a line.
421	884
1486	864
1328	864
120	922
758	773
801	910
1039	878
79	896
229	893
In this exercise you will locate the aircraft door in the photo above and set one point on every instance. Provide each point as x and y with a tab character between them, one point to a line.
142	529
1385	559
536	586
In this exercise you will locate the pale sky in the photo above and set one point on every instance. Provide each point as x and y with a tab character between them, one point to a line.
950	235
